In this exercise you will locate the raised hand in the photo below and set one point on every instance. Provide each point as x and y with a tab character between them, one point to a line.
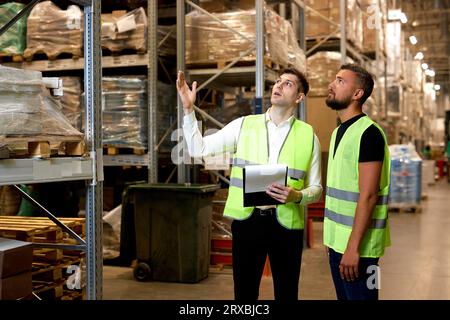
187	95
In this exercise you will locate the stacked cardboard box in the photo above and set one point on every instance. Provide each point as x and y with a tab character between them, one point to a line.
53	31
322	69
15	269
317	26
70	101
209	41
373	25
125	114
122	30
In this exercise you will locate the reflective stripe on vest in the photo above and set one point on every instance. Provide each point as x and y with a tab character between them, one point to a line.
342	194
236	182
252	149
348	221
352	196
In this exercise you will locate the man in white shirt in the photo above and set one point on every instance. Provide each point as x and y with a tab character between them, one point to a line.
270	138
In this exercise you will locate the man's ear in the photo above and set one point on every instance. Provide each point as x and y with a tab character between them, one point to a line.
358	94
300	97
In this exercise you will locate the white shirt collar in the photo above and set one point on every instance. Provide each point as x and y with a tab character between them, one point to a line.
287	121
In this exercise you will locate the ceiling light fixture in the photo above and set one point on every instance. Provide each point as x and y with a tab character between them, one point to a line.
424	66
437	87
419	56
413	40
430	72
403	18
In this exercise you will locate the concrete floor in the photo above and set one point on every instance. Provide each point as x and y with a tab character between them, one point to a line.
416	266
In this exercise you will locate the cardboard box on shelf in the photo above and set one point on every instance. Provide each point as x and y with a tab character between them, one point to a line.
15	257
16	286
323	120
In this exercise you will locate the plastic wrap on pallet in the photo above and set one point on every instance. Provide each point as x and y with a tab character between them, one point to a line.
122	30
125	115
322	69
14	40
54	122
394	48
124	104
394	96
281	43
406	175
209	41
26	108
20	101
317	26
70	101
53	31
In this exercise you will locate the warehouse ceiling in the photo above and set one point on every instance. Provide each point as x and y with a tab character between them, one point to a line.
428	21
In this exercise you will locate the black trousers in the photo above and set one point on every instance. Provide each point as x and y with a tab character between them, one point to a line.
254	239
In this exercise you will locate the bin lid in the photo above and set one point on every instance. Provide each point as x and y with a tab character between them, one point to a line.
178	187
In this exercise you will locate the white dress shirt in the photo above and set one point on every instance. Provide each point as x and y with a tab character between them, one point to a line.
226	140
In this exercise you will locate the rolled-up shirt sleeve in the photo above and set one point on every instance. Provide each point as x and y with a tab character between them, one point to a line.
217	142
313	190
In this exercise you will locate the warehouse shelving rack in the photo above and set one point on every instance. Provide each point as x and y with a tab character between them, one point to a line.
148	60
21	171
231	75
378	57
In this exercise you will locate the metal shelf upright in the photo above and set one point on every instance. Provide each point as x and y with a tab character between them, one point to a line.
27	171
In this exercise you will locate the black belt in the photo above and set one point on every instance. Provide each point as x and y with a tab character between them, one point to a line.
266	212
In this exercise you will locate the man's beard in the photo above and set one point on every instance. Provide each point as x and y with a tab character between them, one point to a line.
337	104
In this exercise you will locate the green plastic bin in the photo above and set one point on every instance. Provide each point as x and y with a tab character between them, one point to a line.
173	231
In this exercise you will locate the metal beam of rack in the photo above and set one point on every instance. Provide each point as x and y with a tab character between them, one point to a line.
94	197
182	172
152	12
125	61
28	171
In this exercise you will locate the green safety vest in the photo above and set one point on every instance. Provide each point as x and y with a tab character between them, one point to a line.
342	194
253	148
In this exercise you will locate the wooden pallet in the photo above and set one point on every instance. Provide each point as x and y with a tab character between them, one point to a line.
30	233
127	51
31	54
42	271
49	290
113	151
220	64
404	208
11	58
39	229
47	255
43	146
73	295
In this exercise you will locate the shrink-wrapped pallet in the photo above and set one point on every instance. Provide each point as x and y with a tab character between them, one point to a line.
125	30
316	26
406	175
125	110
70	101
53	31
322	69
20	101
26	108
208	41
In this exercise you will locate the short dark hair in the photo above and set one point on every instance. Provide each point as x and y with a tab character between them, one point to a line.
303	83
365	79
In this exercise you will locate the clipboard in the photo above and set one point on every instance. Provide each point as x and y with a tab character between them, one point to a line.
256	179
